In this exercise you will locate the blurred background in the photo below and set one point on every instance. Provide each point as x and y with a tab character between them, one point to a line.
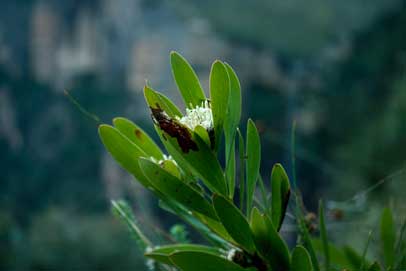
336	67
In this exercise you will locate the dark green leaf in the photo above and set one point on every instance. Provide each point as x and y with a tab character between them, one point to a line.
176	189
388	238
234	222
187	81
197	162
353	257
301	260
241	155
374	267
337	256
253	148
280	194
268	242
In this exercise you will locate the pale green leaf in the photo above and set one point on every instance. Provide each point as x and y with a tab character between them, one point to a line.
134	133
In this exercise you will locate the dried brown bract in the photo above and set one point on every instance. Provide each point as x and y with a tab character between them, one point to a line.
174	129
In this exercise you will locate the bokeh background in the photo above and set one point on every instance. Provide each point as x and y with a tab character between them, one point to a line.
336	67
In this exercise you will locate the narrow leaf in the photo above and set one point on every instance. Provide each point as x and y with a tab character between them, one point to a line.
187	81
125	152
176	189
219	93
241	152
230	171
374	267
162	253
134	133
201	261
253	147
280	194
234	222
268	242
201	162
231	122
301	260
388	238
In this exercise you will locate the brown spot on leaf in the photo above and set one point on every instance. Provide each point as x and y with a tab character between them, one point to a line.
174	129
138	133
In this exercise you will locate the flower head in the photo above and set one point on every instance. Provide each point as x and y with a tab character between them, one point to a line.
198	116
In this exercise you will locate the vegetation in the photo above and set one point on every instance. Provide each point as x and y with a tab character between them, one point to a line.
212	186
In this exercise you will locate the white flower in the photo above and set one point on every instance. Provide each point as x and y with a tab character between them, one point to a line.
200	115
164	158
231	254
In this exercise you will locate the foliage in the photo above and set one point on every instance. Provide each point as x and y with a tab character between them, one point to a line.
192	182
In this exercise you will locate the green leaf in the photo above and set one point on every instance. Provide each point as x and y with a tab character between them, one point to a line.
187	81
233	109
280	194
201	261
323	236
197	161
253	148
388	238
305	235
231	122
230	171
301	260
155	99
268	242
203	134
196	221
134	133
216	227
162	253
176	189
374	267
125	152
219	93
234	222
123	212
337	256
241	152
364	253
353	257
